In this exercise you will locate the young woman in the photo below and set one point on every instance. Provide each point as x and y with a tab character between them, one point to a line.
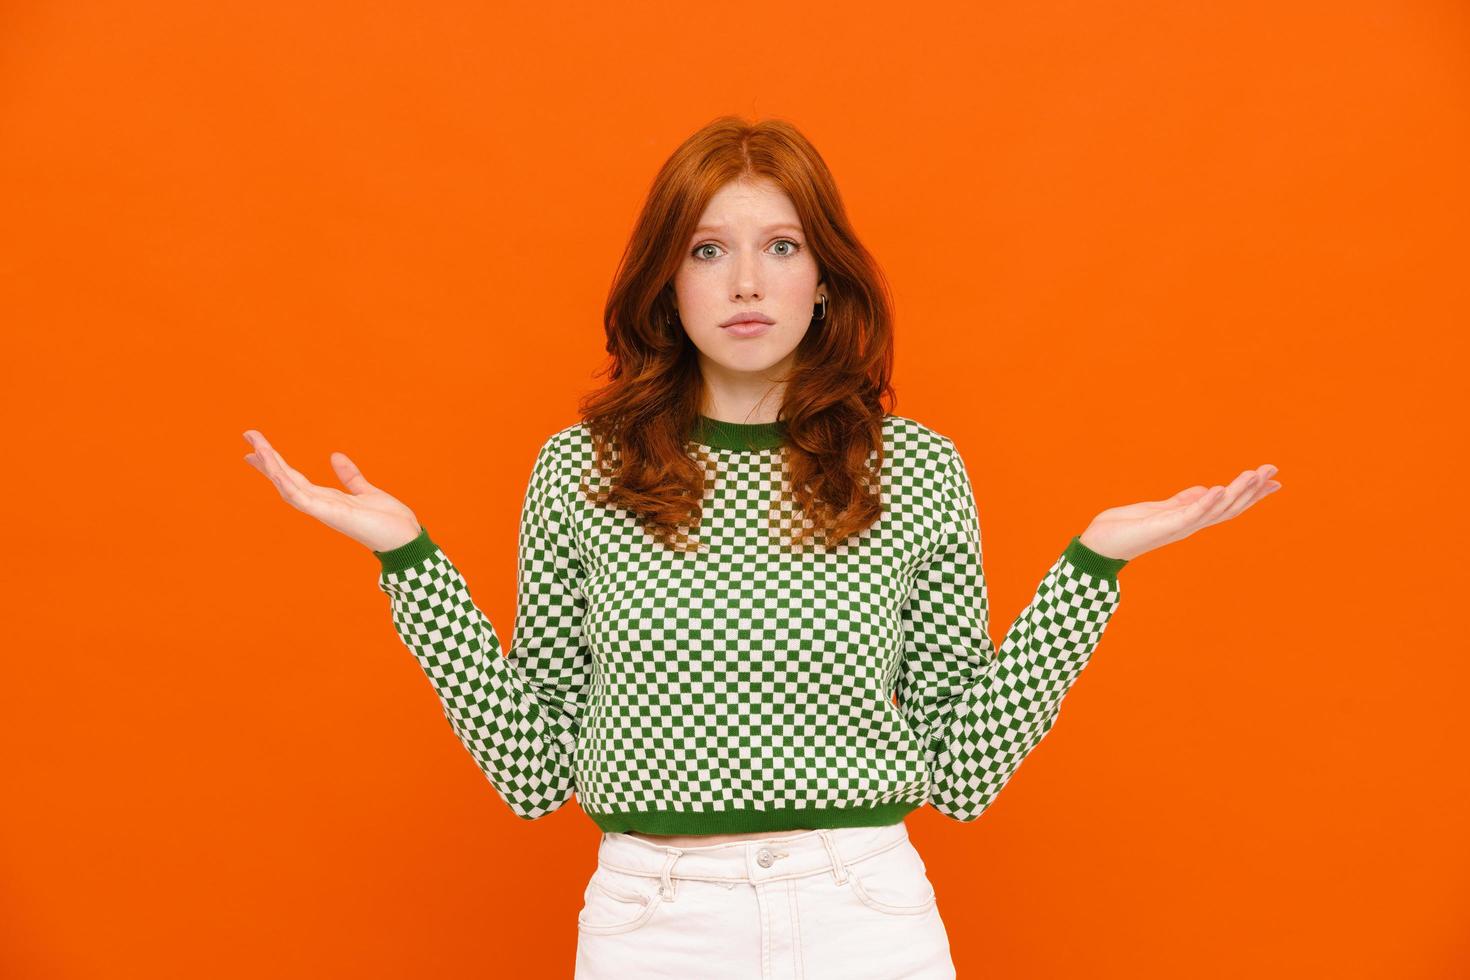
727	570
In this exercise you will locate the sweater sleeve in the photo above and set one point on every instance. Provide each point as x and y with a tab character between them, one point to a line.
979	712
519	714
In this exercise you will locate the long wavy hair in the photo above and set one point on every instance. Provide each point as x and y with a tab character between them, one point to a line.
641	421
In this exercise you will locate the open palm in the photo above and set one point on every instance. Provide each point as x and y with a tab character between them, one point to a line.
363	513
1127	532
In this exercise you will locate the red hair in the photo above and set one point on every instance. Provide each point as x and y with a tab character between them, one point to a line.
832	411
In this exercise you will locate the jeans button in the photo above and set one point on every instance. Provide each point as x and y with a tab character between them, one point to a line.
764	857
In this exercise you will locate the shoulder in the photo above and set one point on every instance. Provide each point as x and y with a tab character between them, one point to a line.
565	459
915	445
560	460
567	446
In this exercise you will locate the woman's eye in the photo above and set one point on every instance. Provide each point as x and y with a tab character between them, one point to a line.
792	249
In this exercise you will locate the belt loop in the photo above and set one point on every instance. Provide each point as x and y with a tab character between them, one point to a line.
839	870
666	883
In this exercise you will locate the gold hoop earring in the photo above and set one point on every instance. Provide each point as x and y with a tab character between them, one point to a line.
824	309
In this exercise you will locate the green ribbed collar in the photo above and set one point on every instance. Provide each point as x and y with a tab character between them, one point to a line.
737	435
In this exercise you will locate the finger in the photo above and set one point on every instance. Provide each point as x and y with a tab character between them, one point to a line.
1263	487
256	458
1169	504
1237	495
349	474
1207	506
277	464
291	485
1189	494
1185	519
264	461
1243	499
267	465
1172	505
261	460
299	486
297	478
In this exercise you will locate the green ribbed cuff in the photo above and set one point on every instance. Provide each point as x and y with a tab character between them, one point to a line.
1089	561
407	555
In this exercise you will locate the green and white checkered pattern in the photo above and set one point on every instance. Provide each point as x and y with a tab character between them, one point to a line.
749	687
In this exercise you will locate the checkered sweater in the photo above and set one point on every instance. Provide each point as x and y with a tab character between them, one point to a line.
749	687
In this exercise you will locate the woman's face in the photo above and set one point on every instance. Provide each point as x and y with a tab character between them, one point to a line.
748	255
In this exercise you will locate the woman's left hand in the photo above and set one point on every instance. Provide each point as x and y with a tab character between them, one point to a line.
1127	532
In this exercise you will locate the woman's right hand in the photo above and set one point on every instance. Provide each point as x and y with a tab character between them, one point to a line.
365	514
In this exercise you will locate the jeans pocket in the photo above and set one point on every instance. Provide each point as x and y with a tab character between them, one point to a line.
893	882
615	902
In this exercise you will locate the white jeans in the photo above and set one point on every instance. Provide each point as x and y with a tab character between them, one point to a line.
853	903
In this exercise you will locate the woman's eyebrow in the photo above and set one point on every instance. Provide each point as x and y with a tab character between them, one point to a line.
768	229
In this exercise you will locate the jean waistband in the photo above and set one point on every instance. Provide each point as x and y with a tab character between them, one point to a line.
754	861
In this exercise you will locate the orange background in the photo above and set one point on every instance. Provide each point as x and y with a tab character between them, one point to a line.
1134	247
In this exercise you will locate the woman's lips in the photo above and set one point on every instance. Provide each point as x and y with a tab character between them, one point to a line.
750	328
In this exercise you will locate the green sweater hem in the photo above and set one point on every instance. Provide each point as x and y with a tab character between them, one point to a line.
734	821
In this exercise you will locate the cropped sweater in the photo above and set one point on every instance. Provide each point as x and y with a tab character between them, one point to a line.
750	686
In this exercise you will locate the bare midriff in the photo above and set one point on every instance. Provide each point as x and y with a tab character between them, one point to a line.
699	840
